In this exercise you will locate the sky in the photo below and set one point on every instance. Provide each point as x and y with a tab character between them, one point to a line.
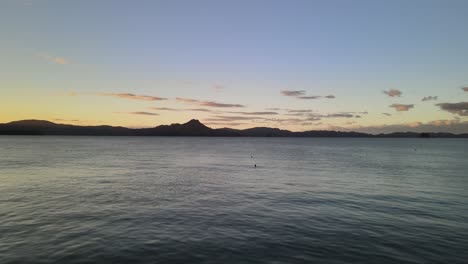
371	66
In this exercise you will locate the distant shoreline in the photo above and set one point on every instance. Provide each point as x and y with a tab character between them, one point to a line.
193	128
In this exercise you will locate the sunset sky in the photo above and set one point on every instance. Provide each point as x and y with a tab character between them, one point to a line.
373	66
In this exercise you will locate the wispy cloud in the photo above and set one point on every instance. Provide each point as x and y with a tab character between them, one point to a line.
55	59
183	109
165	109
387	114
316	97
451	126
301	94
66	120
77	121
455	108
224	124
231	118
187	100
393	93
309	97
300	111
200	110
402	107
143	113
133	96
215	104
429	98
293	92
313	118
316	116
340	115
254	113
208	103
310	123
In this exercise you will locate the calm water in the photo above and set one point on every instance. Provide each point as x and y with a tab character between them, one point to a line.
200	200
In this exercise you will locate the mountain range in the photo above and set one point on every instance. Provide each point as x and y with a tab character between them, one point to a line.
191	128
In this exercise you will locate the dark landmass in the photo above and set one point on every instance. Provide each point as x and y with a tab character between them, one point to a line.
191	128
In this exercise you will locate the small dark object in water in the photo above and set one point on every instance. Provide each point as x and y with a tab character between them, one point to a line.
255	166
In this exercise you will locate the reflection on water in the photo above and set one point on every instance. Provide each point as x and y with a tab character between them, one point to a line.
200	200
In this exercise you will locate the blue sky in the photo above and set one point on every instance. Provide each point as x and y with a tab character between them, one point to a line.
61	57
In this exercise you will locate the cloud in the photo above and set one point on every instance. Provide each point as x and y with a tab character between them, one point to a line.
273	109
340	115
55	59
282	120
455	108
402	107
254	113
293	93
300	111
387	114
313	118
215	104
143	113
183	110
310	124
66	120
316	116
208	103
231	118
393	93
133	96
465	89
187	100
316	97
165	109
199	110
449	126
309	97
224	124
301	95
84	122
429	98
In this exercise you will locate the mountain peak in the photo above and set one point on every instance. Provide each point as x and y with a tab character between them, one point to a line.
194	122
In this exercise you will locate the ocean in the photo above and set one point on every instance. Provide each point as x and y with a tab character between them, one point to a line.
66	199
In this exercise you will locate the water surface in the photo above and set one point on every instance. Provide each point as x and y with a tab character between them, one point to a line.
200	200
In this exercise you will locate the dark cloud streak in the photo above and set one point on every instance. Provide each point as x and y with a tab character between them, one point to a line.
133	96
455	108
429	98
293	93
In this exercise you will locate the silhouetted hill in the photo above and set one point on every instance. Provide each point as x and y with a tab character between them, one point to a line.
191	128
266	132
